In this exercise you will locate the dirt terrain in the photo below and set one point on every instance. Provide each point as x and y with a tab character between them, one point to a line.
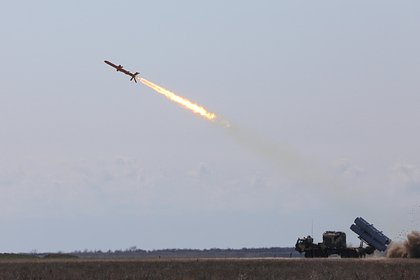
212	269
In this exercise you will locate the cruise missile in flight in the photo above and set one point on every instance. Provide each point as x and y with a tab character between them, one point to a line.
120	68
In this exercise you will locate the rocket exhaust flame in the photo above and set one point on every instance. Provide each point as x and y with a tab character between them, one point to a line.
195	108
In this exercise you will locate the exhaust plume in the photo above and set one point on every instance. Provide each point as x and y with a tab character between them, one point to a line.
286	159
410	248
195	108
283	157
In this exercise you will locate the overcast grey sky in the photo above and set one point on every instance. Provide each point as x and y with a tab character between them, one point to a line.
323	97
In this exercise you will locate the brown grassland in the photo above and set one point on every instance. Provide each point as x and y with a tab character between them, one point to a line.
45	269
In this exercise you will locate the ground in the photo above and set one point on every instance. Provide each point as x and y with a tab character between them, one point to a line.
276	268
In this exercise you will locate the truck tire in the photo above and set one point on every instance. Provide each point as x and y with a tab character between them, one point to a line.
309	254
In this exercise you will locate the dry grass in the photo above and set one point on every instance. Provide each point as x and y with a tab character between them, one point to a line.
212	269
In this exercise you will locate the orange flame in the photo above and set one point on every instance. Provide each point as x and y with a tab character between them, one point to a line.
195	108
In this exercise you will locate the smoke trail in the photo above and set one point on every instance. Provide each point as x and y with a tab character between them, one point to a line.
287	160
410	248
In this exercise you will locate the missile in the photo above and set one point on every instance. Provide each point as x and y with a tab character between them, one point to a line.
121	69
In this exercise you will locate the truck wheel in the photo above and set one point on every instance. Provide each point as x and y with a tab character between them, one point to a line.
350	254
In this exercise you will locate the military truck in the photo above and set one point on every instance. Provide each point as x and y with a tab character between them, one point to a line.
334	242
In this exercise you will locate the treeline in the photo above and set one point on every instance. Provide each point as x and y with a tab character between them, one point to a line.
133	252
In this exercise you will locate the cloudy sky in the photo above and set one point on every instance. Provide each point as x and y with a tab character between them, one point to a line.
323	98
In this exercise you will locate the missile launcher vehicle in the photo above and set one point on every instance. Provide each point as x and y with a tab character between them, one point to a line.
334	242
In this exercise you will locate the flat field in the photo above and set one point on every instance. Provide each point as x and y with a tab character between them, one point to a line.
211	269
